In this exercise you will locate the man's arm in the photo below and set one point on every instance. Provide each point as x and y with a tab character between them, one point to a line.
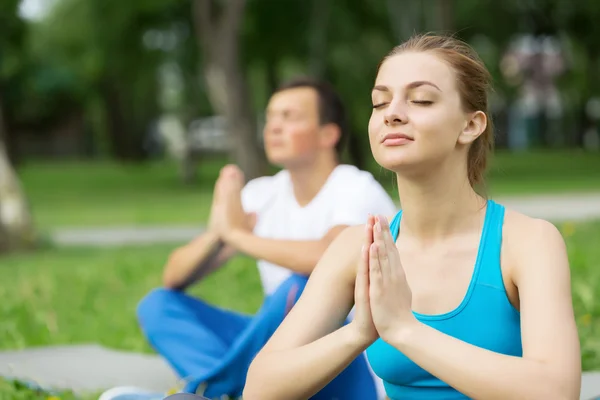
300	256
190	263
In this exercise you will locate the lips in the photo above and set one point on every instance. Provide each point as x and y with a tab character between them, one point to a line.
396	139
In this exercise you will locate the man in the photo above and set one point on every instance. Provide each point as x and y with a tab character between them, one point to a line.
285	222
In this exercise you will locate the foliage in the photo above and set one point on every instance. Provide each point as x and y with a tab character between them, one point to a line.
103	58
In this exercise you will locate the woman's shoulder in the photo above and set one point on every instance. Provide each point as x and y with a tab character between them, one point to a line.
526	238
344	250
521	229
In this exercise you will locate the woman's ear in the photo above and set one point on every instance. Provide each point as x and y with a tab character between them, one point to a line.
474	127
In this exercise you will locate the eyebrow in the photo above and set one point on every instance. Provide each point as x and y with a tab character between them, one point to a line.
412	85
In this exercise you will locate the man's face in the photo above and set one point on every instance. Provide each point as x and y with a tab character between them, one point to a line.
292	128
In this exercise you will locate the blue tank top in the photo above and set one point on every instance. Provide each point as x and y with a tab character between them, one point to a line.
484	318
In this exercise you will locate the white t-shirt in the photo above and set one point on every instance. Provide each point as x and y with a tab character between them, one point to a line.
347	197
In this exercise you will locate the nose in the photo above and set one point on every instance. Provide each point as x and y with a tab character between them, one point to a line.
395	113
273	127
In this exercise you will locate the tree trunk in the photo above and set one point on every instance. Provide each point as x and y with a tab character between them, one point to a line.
16	227
405	18
444	16
226	81
271	75
123	134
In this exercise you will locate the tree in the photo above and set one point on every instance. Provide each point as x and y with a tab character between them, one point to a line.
16	228
104	46
218	34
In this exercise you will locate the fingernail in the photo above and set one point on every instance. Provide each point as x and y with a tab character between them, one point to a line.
382	220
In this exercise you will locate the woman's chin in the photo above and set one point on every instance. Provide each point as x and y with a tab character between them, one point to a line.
395	163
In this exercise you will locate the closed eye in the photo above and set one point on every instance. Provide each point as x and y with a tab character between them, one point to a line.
423	102
379	105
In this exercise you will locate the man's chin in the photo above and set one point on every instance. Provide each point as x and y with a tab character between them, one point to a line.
279	160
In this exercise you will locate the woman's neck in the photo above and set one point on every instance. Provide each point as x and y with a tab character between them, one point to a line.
436	206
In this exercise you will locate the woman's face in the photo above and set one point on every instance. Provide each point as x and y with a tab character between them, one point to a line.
418	121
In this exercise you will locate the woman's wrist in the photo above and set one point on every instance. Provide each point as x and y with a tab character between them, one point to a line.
355	336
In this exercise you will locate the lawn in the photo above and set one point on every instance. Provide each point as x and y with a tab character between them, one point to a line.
80	295
544	172
95	193
75	295
83	295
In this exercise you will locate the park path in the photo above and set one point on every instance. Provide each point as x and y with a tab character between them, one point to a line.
557	208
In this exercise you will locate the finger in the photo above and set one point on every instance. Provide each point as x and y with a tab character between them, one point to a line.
218	190
393	257
386	232
361	291
375	278
374	265
364	254
382	251
240	175
369	232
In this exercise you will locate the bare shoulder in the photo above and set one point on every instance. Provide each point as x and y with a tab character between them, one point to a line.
347	244
342	255
531	242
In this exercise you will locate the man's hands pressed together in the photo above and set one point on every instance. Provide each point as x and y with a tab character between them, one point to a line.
227	214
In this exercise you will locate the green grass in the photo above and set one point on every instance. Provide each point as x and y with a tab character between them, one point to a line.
101	194
584	257
94	193
80	295
544	172
529	173
16	390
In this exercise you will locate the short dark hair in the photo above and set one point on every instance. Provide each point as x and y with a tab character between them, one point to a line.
331	107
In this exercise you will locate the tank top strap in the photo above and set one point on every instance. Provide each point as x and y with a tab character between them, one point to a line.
395	225
488	259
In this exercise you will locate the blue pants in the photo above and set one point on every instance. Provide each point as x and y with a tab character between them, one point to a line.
209	346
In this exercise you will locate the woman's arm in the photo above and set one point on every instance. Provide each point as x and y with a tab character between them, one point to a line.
551	365
309	349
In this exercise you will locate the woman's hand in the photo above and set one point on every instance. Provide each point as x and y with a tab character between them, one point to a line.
363	321
389	294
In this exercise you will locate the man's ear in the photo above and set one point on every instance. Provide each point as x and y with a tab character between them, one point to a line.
474	127
330	135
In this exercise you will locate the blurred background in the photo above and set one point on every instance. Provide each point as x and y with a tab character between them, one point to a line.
116	116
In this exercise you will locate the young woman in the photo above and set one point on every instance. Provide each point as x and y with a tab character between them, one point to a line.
456	297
